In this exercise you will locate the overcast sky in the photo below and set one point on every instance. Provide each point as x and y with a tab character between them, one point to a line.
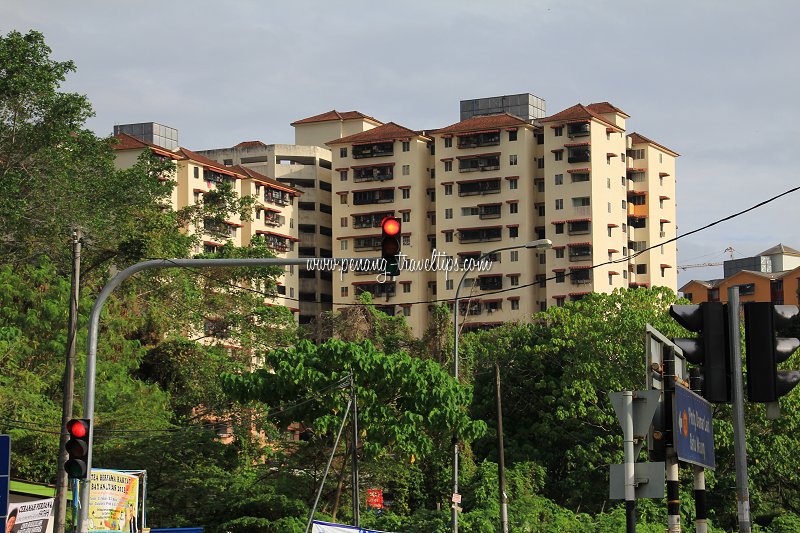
716	81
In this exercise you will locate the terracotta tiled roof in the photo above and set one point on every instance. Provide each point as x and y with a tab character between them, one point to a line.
250	144
638	138
578	112
129	142
335	115
250	173
779	249
605	107
483	122
386	132
194	156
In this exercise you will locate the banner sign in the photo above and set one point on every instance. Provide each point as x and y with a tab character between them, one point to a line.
327	527
375	498
30	517
113	501
693	428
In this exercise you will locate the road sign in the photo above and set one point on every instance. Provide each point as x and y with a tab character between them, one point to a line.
648	481
655	344
693	428
644	407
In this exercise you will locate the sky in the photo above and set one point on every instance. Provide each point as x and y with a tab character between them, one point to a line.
716	81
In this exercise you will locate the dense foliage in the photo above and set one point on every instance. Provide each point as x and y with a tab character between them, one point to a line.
240	449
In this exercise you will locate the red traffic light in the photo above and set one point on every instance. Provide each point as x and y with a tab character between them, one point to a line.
391	226
77	428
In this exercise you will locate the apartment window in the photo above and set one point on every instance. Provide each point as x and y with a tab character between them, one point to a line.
559	179
407	310
624	251
513	208
609	229
641	269
448	213
512	160
560	277
608	183
448	166
448	284
406	287
515	305
610	279
581	201
559	204
344	222
661	203
580	176
343	244
406	194
513	232
660	158
512	184
624	204
624	228
448	236
559	156
406	146
342	152
559	131
448	189
540	210
540	186
407	240
448	142
512	135
343	198
196	172
540	138
514	255
624	181
559	228
342	175
559	253
344	292
624	274
407	217
514	280
661	180
540	163
406	170
542	259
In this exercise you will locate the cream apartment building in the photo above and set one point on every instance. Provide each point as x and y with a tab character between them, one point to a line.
273	213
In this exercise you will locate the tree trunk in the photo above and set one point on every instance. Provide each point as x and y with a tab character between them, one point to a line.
340	483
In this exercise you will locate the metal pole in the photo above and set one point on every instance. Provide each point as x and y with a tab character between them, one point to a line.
144	500
739	443
627	439
62	482
700	514
356	506
671	460
501	461
328	467
94	326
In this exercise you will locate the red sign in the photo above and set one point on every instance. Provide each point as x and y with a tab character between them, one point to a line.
375	498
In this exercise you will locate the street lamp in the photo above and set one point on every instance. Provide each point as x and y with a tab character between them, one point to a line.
538	244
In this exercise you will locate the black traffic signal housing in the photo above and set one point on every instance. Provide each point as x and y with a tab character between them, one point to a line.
710	350
77	448
390	244
763	323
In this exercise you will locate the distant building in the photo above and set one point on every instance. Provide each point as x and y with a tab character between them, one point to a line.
771	276
150	132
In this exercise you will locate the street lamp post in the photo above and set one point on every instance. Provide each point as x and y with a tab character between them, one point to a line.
537	244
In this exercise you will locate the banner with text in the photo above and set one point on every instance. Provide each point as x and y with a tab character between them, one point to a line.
31	517
113	501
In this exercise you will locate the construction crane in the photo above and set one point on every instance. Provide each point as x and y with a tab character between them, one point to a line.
729	250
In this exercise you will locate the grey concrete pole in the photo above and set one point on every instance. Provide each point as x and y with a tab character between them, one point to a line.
501	460
737	399
627	440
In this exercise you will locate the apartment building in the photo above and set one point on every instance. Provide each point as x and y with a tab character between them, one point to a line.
273	213
306	169
603	196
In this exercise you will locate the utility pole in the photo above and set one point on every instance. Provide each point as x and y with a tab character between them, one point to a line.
356	506
737	397
69	383
501	461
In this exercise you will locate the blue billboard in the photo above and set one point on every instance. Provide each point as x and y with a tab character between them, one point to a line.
693	428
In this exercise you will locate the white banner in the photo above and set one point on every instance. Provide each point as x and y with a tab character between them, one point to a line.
30	517
327	527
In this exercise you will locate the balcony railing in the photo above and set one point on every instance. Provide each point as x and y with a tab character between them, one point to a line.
479	187
578	130
474	164
480	235
373	174
479	139
373	150
489	211
373	197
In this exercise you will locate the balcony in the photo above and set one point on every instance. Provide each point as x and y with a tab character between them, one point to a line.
370	220
580	277
380	196
379	290
490	282
480	234
375	173
367	243
489	211
472	188
578	227
362	151
475	140
274	219
580	252
277	197
579	155
638	211
479	163
582	129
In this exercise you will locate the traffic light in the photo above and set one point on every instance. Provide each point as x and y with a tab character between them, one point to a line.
390	244
77	447
710	349
765	351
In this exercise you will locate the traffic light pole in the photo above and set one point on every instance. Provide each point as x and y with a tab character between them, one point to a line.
737	397
94	327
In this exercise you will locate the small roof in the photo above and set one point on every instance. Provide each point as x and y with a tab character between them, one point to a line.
605	107
385	132
194	156
336	115
483	122
579	112
709	284
780	249
638	138
257	176
250	144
